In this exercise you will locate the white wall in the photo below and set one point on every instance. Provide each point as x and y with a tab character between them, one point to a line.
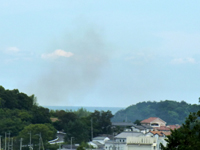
140	147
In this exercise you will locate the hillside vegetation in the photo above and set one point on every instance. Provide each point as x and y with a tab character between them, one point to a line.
170	111
18	110
22	117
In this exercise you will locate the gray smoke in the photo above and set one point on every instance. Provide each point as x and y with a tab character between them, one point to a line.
72	78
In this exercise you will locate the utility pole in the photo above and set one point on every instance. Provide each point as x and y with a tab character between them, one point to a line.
9	141
91	129
21	143
39	140
71	142
5	141
12	144
30	140
0	142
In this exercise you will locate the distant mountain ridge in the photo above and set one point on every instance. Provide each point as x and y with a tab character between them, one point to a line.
172	112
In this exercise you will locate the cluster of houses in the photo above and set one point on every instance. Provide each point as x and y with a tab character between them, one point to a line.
147	136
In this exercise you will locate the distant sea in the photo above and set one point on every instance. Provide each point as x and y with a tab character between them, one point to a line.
91	109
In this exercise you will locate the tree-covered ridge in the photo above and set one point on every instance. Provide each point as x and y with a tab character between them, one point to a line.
13	99
20	116
170	111
18	110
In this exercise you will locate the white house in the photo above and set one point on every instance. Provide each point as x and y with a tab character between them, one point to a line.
141	143
144	143
142	128
119	142
98	142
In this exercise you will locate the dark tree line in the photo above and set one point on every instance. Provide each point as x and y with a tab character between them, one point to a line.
20	113
78	124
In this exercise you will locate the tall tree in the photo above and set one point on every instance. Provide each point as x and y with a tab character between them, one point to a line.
187	137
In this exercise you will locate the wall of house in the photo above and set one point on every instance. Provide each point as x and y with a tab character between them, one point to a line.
140	147
120	140
116	146
160	122
135	129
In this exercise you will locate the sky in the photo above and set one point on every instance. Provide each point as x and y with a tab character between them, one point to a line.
112	53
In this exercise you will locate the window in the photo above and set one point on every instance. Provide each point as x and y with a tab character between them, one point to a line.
155	124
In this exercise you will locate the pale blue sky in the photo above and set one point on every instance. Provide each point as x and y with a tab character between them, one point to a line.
101	53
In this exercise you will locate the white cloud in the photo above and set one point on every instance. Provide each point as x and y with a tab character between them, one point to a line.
12	49
183	60
57	53
139	58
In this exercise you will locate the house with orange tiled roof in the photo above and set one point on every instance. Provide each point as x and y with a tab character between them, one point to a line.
154	122
166	133
158	134
155	134
172	127
167	128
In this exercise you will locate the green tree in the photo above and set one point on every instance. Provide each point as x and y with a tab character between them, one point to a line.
82	113
187	137
77	129
101	121
47	132
137	122
40	115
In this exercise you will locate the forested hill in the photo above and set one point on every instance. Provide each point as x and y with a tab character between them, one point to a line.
171	112
18	110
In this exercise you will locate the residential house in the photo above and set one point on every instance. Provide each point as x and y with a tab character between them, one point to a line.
125	125
153	122
167	128
98	142
141	143
145	143
142	128
119	142
158	134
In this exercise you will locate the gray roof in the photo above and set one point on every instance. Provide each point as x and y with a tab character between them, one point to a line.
128	134
110	142
139	127
97	143
122	124
99	138
147	126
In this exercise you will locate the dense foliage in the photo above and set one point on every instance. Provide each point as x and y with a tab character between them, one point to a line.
171	112
187	137
78	124
19	114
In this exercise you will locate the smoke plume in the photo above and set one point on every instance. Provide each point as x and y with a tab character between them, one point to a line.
69	79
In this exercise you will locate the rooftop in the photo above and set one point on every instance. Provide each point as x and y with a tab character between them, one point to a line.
122	124
149	120
129	134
